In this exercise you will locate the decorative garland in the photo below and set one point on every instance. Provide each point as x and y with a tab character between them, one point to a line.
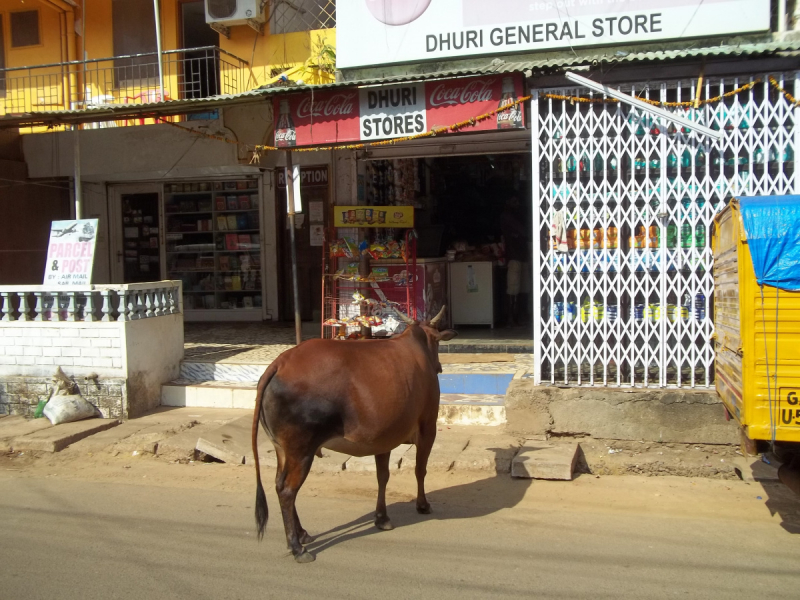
687	104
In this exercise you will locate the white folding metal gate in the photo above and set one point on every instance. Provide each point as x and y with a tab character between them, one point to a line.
628	300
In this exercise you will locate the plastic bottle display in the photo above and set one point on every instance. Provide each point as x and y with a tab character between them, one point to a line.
510	118
285	134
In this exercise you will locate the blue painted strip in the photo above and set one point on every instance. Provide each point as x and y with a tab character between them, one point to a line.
474	383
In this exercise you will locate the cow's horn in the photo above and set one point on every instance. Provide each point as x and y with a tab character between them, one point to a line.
404	317
435	320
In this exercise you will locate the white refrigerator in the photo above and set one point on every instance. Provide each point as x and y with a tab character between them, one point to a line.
471	293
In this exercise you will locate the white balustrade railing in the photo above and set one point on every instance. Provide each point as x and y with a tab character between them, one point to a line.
123	302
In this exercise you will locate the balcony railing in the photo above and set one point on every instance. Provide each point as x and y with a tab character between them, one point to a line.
134	79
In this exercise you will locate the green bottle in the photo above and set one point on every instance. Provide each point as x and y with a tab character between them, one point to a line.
39	412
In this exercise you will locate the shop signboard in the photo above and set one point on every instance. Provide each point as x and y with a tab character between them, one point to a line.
392	111
396	31
373	216
70	253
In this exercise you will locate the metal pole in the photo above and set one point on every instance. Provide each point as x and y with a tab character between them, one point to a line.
290	196
658	112
76	145
158	45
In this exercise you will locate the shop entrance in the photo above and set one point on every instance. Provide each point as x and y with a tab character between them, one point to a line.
473	213
137	243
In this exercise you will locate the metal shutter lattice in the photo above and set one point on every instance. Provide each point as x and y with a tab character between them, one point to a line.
631	301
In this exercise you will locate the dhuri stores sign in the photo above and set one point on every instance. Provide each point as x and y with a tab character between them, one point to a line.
377	32
383	112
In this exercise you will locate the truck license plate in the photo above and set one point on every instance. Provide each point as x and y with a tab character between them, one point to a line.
789	407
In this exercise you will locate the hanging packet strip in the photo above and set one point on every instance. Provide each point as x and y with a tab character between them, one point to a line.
772	226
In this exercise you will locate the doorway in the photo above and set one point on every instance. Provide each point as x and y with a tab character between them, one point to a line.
136	211
200	67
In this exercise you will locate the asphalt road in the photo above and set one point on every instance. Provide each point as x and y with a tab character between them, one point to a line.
621	538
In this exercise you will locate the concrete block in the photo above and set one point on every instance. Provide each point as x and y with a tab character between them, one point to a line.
116	363
90	332
26	360
46	360
52	351
70	351
55	439
491	453
8	360
69	332
33	351
91	352
538	460
230	442
102	362
17	426
101	343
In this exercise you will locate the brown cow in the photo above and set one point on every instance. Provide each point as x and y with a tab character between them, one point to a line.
360	398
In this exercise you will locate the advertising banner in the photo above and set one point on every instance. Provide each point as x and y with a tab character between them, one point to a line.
384	112
70	253
373	216
378	32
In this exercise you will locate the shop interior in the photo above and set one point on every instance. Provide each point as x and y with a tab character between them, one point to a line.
466	210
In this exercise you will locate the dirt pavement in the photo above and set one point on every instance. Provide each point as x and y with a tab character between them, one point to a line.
102	526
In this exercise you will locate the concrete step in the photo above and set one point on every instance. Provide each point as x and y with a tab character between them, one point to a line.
467	378
454	408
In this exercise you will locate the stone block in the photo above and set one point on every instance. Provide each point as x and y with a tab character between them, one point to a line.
446	448
491	453
540	460
367	463
55	439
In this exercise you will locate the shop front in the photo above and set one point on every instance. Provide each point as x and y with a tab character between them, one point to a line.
453	196
624	204
205	232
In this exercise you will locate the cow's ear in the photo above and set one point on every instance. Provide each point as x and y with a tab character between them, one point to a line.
447	334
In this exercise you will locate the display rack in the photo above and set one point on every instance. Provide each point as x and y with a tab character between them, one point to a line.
360	292
213	246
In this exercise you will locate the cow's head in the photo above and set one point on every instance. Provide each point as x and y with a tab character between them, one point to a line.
430	329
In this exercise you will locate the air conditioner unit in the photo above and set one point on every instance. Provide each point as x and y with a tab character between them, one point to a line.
235	12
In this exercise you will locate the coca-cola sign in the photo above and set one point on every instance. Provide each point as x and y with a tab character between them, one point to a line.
396	111
475	90
337	105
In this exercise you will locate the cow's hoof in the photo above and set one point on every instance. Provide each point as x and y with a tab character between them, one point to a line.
304	557
307	539
424	509
384	524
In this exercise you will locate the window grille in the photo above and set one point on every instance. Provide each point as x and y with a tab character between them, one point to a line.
287	16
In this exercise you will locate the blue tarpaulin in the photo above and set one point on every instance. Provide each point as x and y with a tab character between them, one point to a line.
772	226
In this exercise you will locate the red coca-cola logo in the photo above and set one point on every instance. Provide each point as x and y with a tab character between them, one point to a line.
478	90
336	105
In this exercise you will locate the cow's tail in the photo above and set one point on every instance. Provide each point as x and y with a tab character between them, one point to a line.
262	513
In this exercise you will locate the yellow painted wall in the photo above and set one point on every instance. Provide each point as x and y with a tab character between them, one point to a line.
265	55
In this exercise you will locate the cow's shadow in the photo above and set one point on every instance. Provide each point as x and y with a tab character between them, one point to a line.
465	501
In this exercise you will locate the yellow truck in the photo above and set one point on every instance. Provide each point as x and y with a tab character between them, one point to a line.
756	246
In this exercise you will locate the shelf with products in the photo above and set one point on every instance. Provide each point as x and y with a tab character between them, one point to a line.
213	242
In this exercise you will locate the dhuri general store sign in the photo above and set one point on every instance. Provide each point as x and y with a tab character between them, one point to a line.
383	112
377	32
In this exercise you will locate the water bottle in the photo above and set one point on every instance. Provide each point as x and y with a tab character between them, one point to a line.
672	235
700	236
558	311
586	309
700	306
638	313
611	311
572	311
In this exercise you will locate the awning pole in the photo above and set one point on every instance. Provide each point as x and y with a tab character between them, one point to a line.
158	46
290	195
76	154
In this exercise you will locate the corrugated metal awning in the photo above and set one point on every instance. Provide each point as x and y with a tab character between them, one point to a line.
542	64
